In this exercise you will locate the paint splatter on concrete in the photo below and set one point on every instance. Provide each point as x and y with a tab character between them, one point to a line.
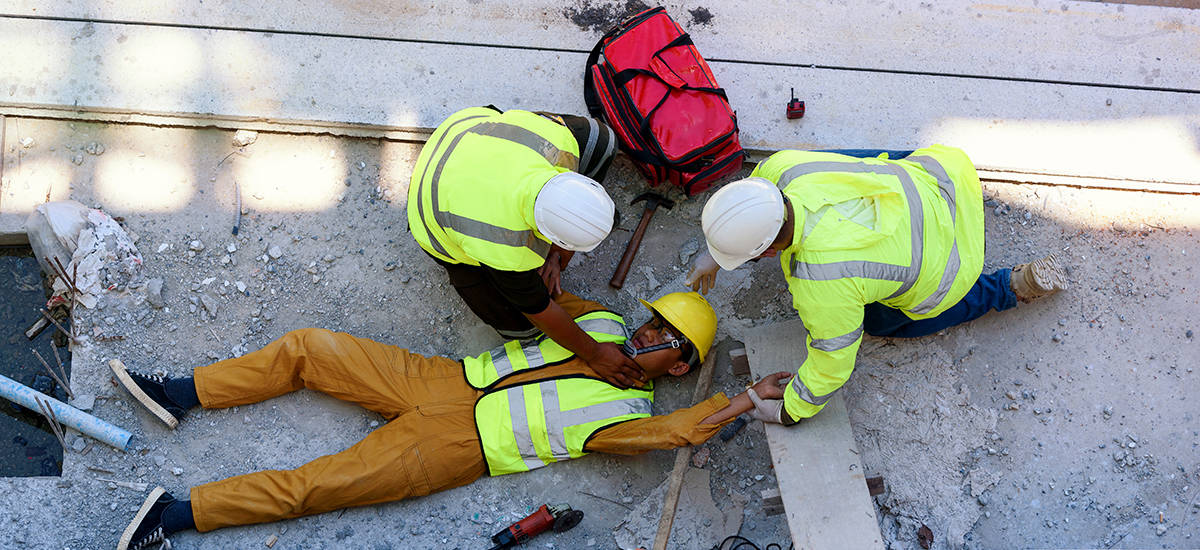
601	16
701	16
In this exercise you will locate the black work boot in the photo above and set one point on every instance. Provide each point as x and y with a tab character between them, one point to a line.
150	391
147	526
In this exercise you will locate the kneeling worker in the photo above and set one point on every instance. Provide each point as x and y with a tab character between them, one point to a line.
520	406
502	200
891	247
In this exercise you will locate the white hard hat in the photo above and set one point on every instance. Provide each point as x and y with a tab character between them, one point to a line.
574	212
741	220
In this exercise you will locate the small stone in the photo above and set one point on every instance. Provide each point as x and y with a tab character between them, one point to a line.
77	159
94	148
627	500
373	423
160	460
1062	322
984	499
226	260
389	266
209	303
196	245
700	457
1056	337
316	279
1028	216
688	249
328	258
84	401
231	248
177	471
275	252
79	444
1011	395
154	293
241	287
1188	334
26	142
758	477
1160	529
242	138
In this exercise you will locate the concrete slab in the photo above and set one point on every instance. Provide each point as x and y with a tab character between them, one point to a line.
1004	125
1141	46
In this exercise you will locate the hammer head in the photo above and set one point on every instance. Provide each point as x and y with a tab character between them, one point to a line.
653	201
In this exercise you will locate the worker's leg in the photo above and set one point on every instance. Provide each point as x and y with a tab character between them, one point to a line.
418	453
484	299
380	377
991	291
868	153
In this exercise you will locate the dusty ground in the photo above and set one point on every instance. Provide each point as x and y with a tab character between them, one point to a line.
1090	371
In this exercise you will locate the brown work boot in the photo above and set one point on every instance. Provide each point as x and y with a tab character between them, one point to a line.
1038	278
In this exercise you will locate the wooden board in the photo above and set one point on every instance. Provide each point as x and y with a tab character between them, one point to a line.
821	481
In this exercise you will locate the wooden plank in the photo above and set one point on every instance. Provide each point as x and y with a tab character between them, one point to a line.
682	456
816	462
1075	41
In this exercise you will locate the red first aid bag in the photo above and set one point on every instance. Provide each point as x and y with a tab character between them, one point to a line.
660	97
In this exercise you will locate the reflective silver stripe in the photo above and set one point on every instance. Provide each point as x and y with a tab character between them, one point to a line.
906	276
606	326
520	425
475	228
519	334
593	136
946	187
802	391
558	420
539	144
433	241
839	342
501	362
492	233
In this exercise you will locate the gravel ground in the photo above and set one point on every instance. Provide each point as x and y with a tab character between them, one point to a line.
1063	423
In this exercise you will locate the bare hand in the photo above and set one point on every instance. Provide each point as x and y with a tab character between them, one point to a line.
615	367
551	273
703	274
771	386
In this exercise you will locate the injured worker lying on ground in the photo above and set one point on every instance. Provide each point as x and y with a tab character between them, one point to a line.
520	406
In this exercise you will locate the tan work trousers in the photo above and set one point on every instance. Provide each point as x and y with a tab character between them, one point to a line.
430	443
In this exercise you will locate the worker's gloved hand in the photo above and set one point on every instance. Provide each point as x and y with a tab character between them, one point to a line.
767	396
615	367
703	274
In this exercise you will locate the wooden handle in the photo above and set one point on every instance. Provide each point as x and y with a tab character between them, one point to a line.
618	278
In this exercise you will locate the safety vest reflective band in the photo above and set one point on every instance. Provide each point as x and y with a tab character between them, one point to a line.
493	188
905	275
528	426
946	188
484	371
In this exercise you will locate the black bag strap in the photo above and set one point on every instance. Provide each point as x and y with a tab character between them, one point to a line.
590	97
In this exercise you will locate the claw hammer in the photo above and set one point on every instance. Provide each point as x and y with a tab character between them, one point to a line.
653	202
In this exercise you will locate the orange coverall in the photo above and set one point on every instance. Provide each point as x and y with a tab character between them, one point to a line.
429	444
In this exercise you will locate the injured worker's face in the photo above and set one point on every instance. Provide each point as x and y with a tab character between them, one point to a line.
664	361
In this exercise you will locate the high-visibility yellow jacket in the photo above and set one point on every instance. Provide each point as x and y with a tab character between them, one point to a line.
471	197
528	425
907	233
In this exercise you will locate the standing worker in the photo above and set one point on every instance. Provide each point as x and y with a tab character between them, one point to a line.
502	200
889	246
516	408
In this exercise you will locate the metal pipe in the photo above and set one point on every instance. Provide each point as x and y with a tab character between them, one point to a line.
67	415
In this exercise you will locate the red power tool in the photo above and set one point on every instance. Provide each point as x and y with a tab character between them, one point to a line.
560	518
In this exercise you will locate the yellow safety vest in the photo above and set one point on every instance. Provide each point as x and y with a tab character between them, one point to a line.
485	371
923	254
530	425
471	197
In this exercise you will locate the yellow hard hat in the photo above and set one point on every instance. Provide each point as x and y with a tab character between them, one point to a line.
690	313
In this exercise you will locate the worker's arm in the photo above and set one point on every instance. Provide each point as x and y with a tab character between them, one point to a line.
551	271
604	358
767	388
678	429
835	328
